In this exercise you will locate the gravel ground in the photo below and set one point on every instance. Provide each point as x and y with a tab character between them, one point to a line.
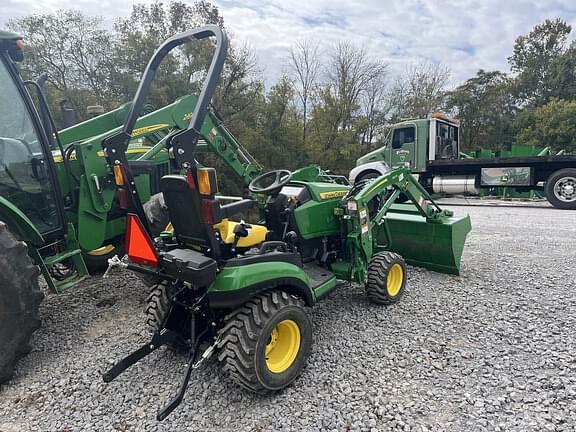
490	350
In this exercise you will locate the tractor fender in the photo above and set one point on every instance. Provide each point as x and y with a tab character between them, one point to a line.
379	168
19	223
236	285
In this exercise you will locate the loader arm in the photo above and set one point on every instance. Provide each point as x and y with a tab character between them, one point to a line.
215	138
420	231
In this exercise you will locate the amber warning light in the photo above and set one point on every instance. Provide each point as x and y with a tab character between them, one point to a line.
139	246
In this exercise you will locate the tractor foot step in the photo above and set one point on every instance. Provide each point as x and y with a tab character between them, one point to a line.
318	275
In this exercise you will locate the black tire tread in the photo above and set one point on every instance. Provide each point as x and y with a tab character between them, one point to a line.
549	189
19	279
239	335
157	306
376	286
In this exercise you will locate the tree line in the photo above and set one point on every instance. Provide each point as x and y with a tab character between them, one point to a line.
332	104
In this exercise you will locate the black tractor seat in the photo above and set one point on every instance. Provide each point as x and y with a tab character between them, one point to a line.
185	211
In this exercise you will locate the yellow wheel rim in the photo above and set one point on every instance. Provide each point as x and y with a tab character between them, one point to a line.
102	250
283	346
395	279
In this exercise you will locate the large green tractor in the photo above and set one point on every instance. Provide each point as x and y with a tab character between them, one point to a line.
241	289
60	215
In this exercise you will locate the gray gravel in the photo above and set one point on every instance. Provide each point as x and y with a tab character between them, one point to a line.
491	350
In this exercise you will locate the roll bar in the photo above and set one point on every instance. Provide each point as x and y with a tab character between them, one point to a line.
184	142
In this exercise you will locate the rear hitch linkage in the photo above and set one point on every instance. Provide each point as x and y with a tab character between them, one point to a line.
165	337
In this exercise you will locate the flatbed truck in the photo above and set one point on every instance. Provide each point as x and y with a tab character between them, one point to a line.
431	149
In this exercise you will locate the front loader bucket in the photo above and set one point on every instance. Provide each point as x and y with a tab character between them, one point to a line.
435	245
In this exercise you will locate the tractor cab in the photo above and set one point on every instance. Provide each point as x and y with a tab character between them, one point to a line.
27	172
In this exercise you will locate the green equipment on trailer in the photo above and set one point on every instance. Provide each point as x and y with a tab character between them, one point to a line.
430	148
59	211
241	289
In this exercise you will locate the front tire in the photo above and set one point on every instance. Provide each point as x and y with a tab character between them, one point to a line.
264	344
560	189
20	298
386	278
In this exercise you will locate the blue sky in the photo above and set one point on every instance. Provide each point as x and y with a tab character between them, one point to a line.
465	35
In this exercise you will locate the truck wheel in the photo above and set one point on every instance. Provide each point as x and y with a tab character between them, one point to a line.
560	189
367	176
402	198
386	278
264	344
20	298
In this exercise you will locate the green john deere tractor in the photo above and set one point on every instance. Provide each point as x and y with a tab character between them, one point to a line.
59	211
240	289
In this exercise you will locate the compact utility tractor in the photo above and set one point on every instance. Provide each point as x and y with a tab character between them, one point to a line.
240	289
59	208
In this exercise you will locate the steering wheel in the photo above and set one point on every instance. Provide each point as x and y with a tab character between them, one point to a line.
270	183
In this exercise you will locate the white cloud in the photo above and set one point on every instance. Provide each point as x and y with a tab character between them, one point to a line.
465	35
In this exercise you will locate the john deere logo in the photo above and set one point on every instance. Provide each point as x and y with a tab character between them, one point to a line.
333	194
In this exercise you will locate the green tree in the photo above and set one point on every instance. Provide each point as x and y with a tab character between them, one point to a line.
330	145
563	74
552	124
138	37
486	109
535	60
74	49
282	127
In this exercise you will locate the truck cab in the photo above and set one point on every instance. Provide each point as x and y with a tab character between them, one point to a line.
411	144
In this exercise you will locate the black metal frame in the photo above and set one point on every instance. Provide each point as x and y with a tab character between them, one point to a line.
165	336
183	143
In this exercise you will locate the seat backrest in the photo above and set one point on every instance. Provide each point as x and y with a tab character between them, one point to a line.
185	211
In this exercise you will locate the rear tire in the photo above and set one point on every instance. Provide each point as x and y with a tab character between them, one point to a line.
264	344
157	306
560	189
386	278
20	298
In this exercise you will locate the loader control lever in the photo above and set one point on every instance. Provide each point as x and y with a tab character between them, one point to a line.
240	231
